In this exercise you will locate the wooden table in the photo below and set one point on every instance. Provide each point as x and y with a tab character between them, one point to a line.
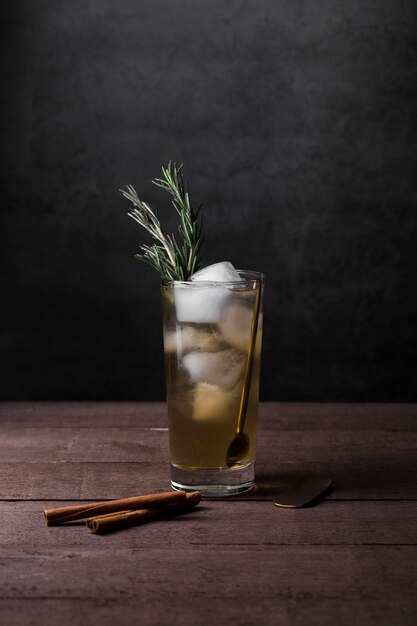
350	560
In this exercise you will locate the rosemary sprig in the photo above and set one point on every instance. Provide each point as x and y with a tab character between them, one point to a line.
172	260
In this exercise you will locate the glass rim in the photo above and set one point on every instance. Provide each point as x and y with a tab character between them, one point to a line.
250	277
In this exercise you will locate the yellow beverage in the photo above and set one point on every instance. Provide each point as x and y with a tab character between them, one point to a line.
208	329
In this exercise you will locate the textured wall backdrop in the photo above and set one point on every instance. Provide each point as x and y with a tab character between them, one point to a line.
296	122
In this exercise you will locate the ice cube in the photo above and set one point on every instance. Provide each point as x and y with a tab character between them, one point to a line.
186	338
222	369
211	404
236	327
200	304
206	302
222	272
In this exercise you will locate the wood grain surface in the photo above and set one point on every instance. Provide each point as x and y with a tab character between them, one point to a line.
352	559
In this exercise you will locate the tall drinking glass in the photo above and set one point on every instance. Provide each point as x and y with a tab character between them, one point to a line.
212	344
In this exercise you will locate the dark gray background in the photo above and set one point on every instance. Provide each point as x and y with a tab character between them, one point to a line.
296	124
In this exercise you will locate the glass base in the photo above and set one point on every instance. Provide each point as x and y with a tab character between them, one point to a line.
212	482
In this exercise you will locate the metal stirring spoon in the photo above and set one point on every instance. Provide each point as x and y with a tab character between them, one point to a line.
239	446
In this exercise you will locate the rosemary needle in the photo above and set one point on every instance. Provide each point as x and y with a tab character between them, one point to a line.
173	260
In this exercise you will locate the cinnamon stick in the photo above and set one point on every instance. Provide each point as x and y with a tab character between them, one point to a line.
81	511
123	519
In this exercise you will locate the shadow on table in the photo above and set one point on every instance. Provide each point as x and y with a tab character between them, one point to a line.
382	478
